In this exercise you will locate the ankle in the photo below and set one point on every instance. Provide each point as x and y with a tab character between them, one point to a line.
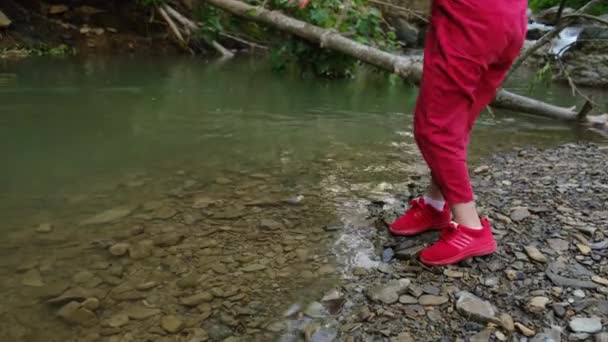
438	204
465	214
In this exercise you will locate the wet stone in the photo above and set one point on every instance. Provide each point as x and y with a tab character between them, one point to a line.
146	286
171	324
388	293
117	320
253	268
119	249
91	304
32	278
108	216
270	224
140	312
168	239
196	299
188	282
141	250
44	228
315	310
74	313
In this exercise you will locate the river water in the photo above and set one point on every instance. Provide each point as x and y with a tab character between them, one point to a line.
182	199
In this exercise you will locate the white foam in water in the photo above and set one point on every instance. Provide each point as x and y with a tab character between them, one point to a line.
566	38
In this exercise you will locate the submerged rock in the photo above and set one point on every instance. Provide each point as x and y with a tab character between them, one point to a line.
108	216
74	313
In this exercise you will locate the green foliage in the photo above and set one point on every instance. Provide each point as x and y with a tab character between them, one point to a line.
542	77
538	5
40	51
359	21
211	21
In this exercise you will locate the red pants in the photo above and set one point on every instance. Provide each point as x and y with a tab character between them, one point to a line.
470	46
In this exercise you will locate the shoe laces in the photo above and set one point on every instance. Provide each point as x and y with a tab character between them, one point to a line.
448	232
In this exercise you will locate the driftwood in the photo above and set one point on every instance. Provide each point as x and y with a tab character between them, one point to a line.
406	67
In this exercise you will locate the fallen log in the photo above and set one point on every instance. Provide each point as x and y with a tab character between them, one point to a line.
406	67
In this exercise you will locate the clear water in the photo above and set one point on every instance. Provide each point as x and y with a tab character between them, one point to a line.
80	137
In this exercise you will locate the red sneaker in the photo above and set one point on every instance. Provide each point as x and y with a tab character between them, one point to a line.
420	217
458	242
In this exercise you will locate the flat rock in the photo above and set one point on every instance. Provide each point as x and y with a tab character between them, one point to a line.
168	239
431	300
389	293
524	330
407	299
253	268
507	322
584	249
519	214
590	325
32	278
537	304
4	20
600	280
534	254
43	227
74	313
119	249
269	224
171	324
196	299
474	307
558	245
108	216
117	320
140	312
141	250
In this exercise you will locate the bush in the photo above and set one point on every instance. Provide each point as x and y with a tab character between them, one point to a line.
538	5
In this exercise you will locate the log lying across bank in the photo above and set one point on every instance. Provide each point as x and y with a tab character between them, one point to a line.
406	67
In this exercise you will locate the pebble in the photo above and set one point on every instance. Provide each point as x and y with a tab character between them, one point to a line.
253	268
402	337
524	330
534	254
171	324
431	300
32	278
406	299
590	325
146	286
584	249
270	224
453	274
507	322
474	307
141	250
117	320
537	304
600	280
578	293
91	303
108	216
119	249
74	313
519	214
140	312
315	310
44	228
389	293
196	299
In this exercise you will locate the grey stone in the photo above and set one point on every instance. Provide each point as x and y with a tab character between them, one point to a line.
388	293
590	325
474	307
406	299
431	300
601	337
519	214
315	310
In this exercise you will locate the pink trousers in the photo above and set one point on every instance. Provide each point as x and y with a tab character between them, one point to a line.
470	46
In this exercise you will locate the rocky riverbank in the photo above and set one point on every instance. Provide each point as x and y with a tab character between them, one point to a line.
547	282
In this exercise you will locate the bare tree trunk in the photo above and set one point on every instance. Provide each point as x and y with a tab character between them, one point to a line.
406	67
